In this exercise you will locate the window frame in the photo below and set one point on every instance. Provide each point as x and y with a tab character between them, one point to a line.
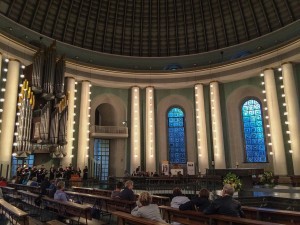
101	155
185	139
244	100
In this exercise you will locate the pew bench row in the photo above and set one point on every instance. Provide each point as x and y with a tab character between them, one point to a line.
159	200
190	217
14	214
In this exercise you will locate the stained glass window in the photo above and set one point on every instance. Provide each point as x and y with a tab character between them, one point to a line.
254	137
101	156
176	136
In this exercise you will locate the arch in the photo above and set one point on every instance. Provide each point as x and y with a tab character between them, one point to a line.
105	114
162	108
236	144
110	103
115	113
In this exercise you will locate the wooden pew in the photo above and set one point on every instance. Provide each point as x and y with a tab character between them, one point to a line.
160	200
102	192
111	204
123	218
121	205
83	190
157	199
32	189
69	210
55	222
15	215
94	201
190	217
273	215
295	180
28	197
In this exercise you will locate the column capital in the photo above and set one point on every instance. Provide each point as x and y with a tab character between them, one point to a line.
12	59
288	62
269	68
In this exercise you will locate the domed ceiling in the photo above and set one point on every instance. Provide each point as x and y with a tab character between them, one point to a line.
153	28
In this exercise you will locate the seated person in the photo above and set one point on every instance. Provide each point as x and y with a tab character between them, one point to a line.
145	209
127	192
225	205
116	192
34	182
3	182
199	203
45	185
178	198
60	194
52	189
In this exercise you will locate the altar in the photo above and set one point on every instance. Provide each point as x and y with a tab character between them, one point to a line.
245	174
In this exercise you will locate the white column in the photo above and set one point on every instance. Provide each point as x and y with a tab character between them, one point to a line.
202	148
135	141
67	160
279	159
9	112
217	128
83	135
0	64
293	115
150	131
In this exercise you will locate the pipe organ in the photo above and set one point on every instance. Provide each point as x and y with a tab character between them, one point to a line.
26	104
43	107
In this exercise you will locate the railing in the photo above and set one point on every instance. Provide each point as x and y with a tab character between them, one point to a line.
109	131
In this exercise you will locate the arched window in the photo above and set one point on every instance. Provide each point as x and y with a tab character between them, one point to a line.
176	136
254	138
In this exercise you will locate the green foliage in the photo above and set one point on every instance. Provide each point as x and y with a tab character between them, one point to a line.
233	180
267	178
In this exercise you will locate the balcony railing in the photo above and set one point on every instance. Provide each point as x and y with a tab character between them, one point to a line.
109	131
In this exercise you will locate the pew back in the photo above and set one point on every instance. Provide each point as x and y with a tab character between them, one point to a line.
190	217
15	215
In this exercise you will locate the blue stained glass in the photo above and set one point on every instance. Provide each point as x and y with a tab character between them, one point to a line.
253	131
176	130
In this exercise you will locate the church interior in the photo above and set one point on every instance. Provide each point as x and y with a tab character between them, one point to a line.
168	93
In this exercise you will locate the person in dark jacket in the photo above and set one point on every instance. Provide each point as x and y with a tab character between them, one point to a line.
45	185
225	205
199	203
127	192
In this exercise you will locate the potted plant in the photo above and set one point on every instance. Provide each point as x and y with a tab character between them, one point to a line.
233	180
267	179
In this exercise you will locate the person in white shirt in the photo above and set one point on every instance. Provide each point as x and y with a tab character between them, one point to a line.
145	209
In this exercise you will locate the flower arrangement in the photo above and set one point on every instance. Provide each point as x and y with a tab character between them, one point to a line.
267	178
233	180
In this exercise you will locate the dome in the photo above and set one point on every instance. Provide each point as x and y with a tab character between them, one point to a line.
155	29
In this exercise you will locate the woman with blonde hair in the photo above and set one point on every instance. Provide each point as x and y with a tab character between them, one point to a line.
145	209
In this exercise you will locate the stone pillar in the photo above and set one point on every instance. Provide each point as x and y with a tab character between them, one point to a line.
293	115
9	112
135	140
201	131
67	160
83	135
279	158
0	64
150	131
217	128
